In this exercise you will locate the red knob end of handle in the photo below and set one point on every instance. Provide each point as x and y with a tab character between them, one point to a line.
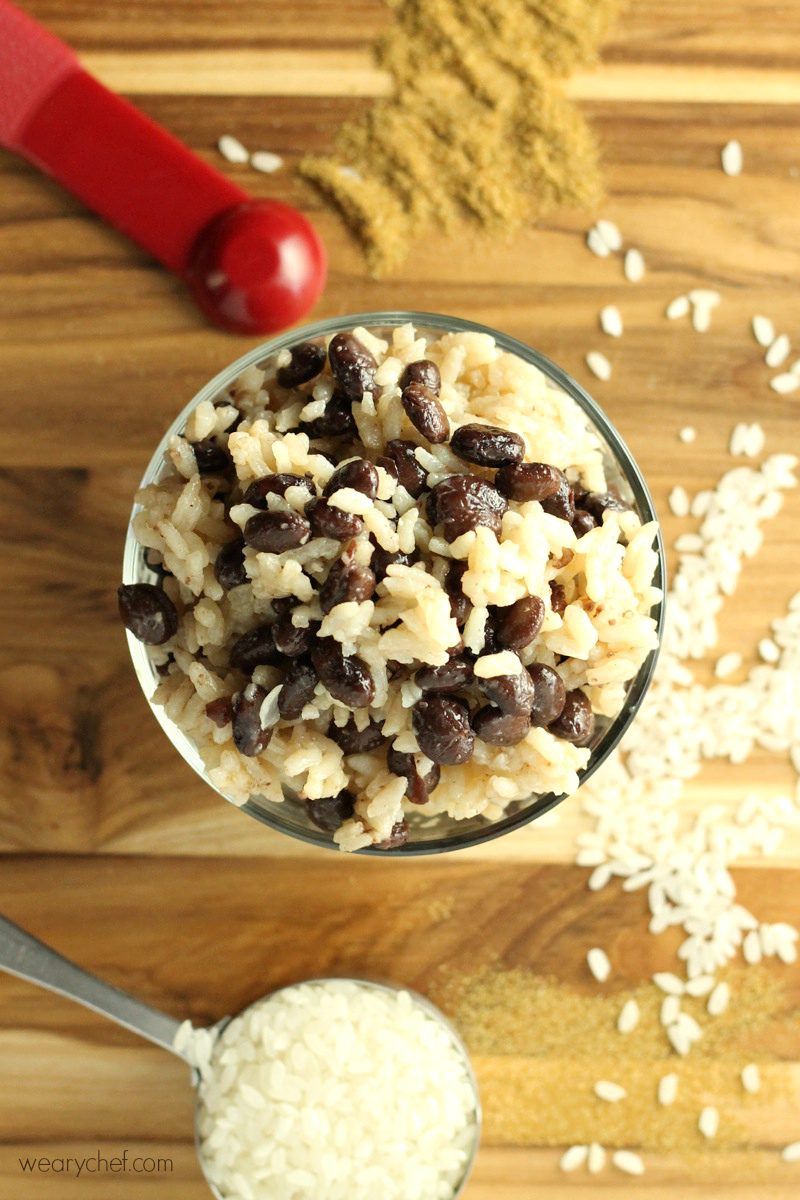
257	267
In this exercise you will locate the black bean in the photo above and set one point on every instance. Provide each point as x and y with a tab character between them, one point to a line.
284	606
249	735
307	361
460	606
576	721
441	724
352	365
388	465
582	522
329	812
336	422
549	694
558	598
148	612
358	474
463	502
330	522
418	787
275	485
424	410
352	740
348	679
211	458
381	560
487	445
276	532
397	838
220	711
293	640
229	568
450	677
422	371
298	689
347	580
490	642
254	649
598	503
155	563
529	481
497	728
562	504
410	473
511	693
518	624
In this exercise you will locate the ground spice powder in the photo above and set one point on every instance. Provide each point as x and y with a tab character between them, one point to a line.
539	1046
476	129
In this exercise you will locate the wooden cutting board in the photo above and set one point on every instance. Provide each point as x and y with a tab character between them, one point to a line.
113	850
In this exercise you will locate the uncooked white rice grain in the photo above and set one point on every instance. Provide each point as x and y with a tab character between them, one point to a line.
628	1161
611	321
668	1089
779	351
670	1010
751	1078
679	1039
598	963
785	383
606	1089
596	243
701	985
669	983
634	265
679	501
266	162
573	1158
676	308
732	158
688	434
705	297
599	877
727	663
708	1121
768	651
628	1017
763	330
701	318
599	365
232	149
751	948
791	1153
596	1158
610	234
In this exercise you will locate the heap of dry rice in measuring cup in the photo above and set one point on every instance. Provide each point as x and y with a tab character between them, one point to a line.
334	1090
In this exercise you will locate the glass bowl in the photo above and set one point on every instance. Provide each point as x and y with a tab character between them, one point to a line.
428	834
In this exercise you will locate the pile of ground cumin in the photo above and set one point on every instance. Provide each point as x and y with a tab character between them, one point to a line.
476	128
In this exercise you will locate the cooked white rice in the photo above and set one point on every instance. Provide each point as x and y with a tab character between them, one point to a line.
598	645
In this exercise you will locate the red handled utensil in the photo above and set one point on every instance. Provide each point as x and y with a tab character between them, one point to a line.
253	266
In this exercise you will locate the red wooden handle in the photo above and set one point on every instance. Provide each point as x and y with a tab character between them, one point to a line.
127	168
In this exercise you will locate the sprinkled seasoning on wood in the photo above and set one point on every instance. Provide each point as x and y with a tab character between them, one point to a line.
476	127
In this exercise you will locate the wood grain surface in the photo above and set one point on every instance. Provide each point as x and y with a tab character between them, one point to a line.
112	849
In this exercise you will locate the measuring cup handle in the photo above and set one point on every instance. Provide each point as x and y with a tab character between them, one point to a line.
25	956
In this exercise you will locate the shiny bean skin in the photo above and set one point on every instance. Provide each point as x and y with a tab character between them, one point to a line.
274	485
358	474
424	410
497	728
422	371
487	445
441	724
330	522
352	365
348	679
519	624
549	694
297	690
576	721
529	481
148	612
276	532
307	361
249	735
410	474
330	812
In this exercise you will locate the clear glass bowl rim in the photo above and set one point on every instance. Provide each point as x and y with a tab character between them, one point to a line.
625	461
